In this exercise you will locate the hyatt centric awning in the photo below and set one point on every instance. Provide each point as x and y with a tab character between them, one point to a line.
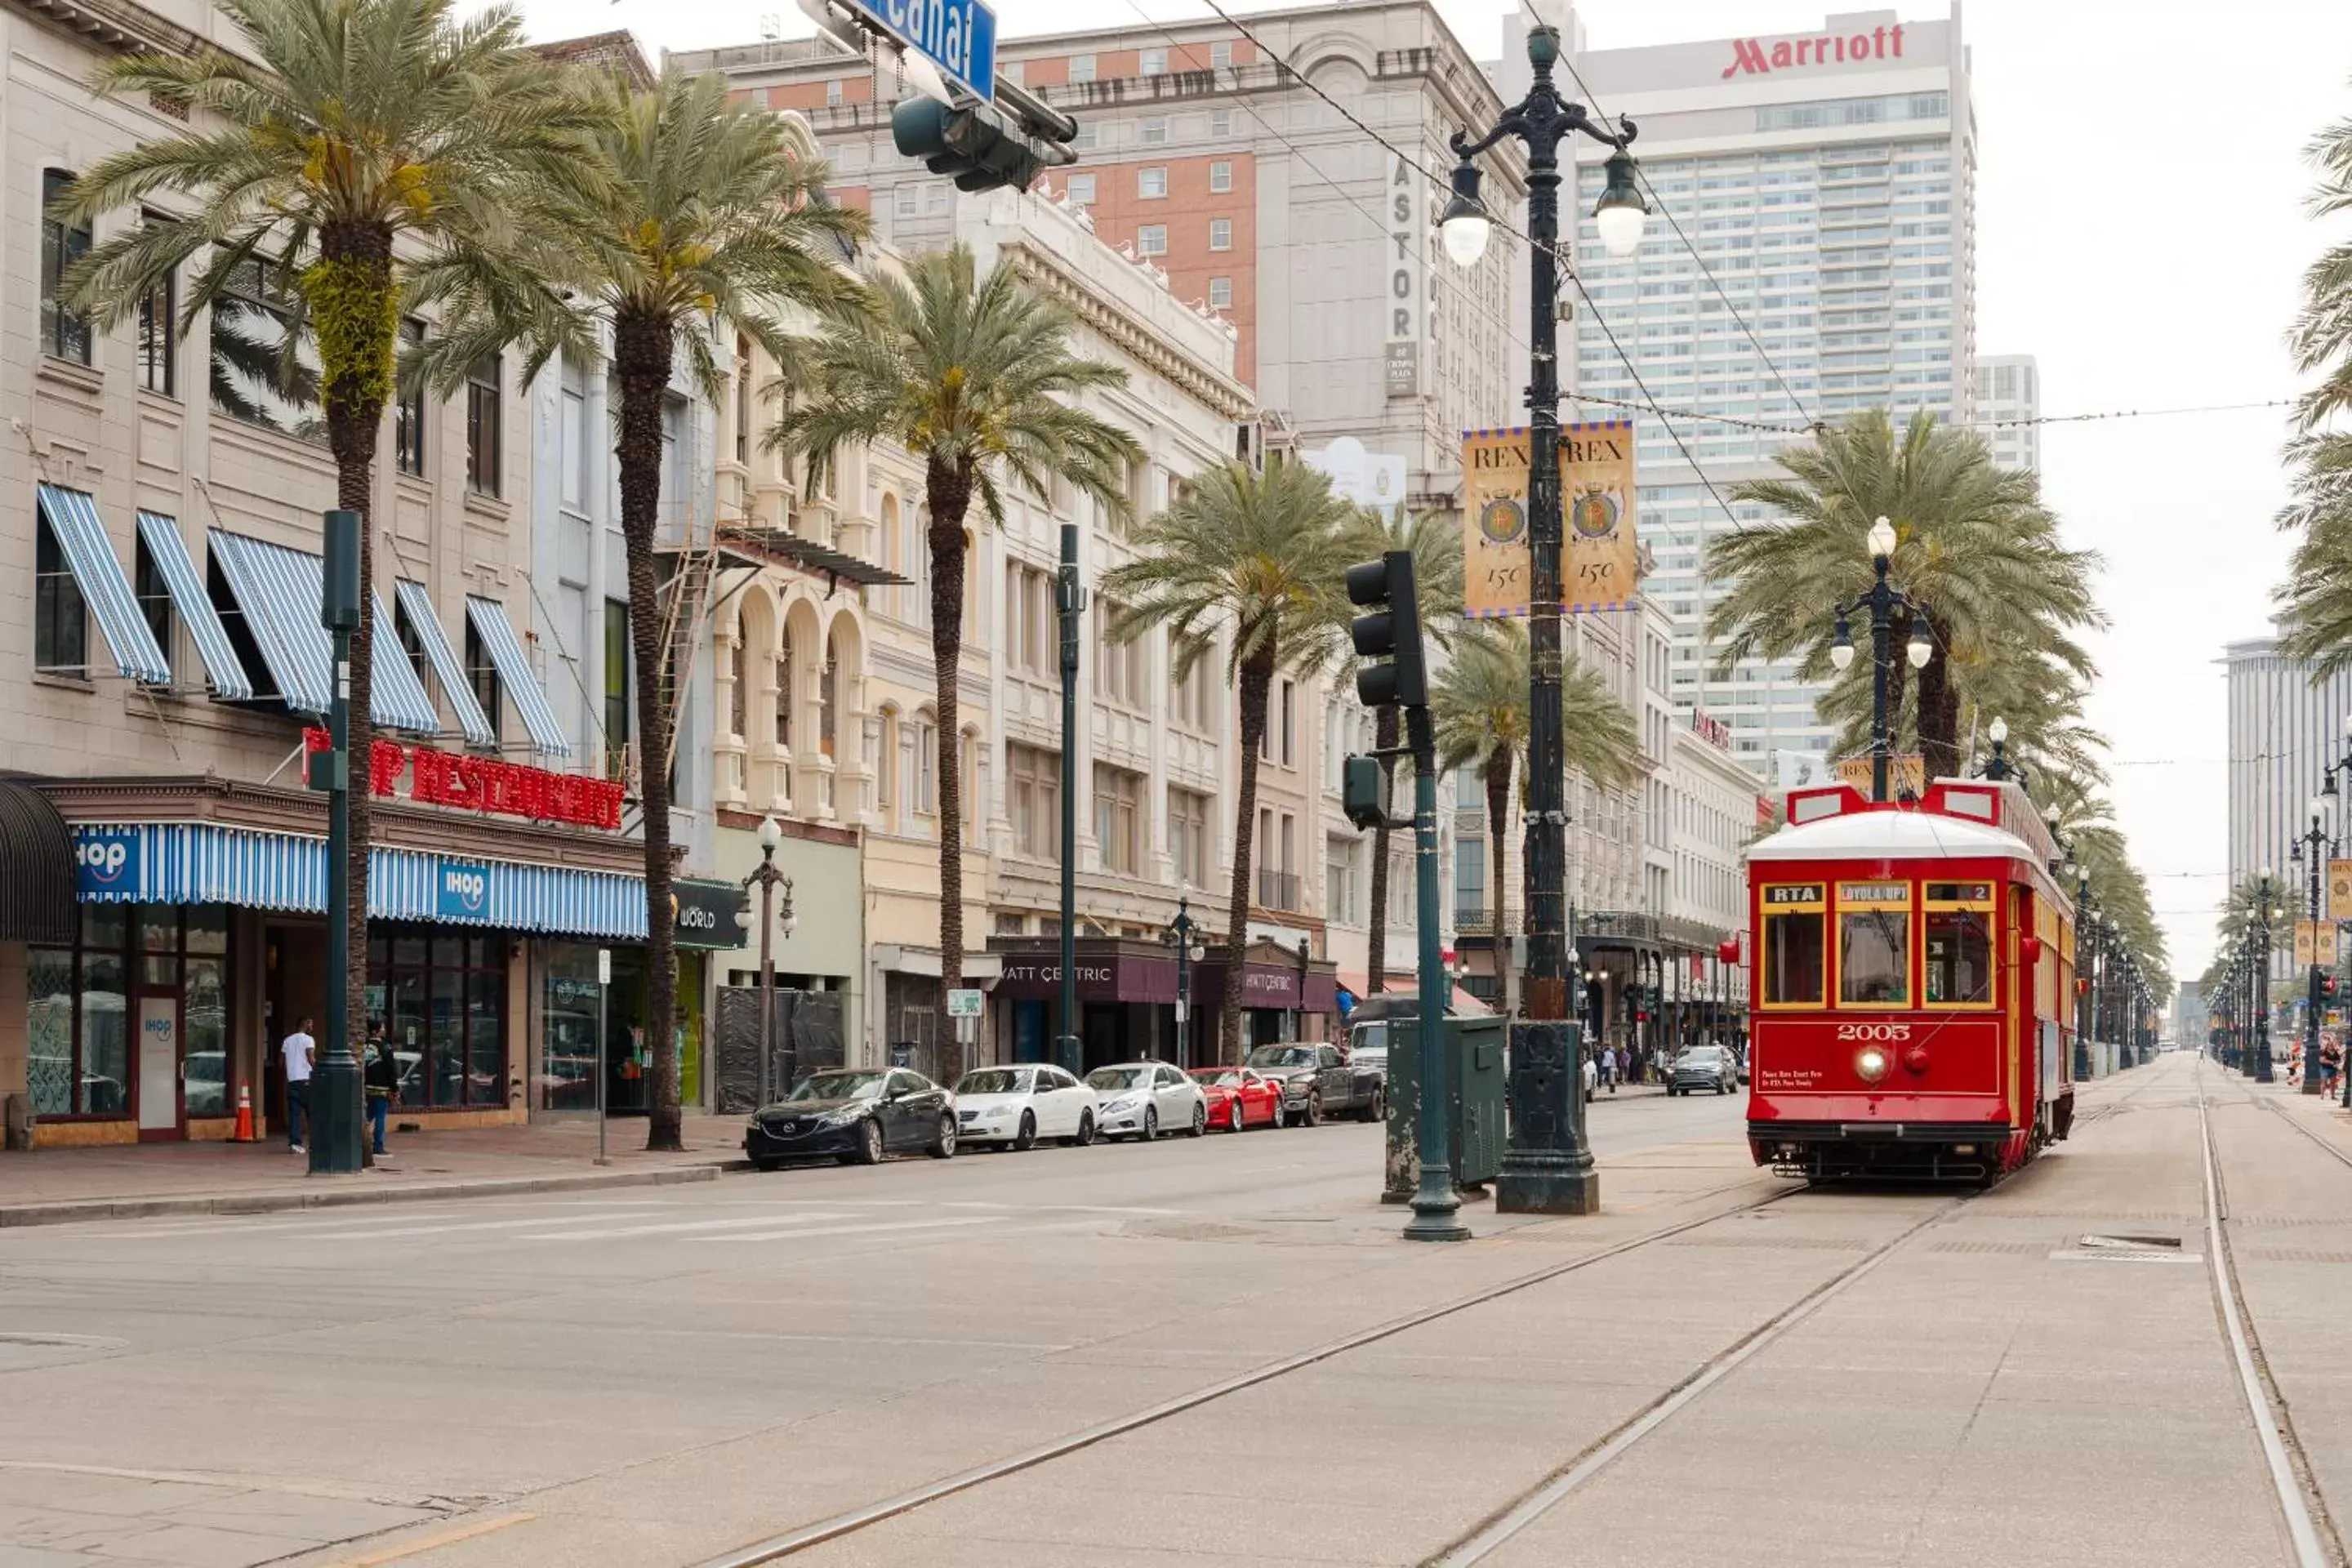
73	517
202	863
489	622
418	605
194	607
280	591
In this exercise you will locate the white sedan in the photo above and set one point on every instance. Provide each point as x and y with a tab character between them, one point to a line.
1142	1099
1018	1105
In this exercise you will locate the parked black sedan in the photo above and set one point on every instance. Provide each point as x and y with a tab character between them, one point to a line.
856	1116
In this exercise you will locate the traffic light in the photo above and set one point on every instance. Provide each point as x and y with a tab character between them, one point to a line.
972	144
1391	632
1361	793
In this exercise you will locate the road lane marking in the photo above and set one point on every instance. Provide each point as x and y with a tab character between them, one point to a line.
528	1220
859	1229
675	1227
444	1538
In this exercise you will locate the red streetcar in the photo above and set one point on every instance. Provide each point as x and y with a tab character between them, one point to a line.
1913	967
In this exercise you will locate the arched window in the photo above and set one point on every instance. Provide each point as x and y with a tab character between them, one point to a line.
784	693
828	723
919	566
885	771
740	678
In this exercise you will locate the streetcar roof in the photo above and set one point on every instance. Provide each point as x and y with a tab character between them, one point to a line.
1891	835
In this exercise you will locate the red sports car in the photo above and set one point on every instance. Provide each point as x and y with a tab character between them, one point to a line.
1239	1098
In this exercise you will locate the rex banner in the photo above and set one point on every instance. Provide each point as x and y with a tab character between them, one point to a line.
1598	562
2339	889
2314	943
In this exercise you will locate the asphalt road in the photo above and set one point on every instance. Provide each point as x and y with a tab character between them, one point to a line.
660	1376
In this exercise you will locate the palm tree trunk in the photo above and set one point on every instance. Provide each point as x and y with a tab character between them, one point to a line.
1499	850
1384	736
1257	682
352	305
949	486
643	347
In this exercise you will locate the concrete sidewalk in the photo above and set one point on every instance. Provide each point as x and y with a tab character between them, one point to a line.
59	1186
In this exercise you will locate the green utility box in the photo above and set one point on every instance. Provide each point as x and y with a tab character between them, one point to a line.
1477	1047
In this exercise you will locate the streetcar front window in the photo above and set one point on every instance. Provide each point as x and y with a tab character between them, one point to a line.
1959	957
1874	944
1792	959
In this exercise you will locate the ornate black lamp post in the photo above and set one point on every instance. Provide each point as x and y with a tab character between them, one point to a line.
1559	1177
1880	600
2259	1067
1998	766
768	879
1182	934
2311	849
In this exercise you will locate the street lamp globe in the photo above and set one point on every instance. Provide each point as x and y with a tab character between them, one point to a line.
1882	538
769	834
1998	731
1842	648
1918	650
1465	226
1621	213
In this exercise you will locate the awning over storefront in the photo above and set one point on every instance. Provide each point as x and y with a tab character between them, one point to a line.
280	591
199	863
489	622
1463	1005
416	608
73	519
37	869
194	607
1104	972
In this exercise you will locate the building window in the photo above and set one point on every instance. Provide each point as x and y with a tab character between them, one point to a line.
1340	882
1014	72
1154	62
1221	54
65	333
616	687
1082	68
1188	837
1220	293
742	400
81	999
60	623
885	771
443	1008
1118	819
1082	190
1221	234
1152	239
784	694
1151	184
739	687
1221	123
1118	667
905	200
482	426
1221	177
1089	133
828	718
1469	882
833	93
1155	131
926	768
1036	801
155	594
253	379
408	414
159	332
482	675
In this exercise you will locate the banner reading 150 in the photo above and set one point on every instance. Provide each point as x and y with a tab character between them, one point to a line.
1599	566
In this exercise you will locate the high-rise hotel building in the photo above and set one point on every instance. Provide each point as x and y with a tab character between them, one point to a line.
1826	181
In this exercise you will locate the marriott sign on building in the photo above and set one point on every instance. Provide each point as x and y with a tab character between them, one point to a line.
1826	176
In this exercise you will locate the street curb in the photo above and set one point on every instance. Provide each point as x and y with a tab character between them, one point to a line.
72	1212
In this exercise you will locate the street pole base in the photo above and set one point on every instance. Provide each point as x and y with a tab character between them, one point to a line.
1536	1183
1436	1211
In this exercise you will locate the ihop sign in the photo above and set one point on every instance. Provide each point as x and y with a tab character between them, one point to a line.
107	861
461	892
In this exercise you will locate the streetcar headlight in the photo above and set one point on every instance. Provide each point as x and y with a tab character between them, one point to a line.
1871	1064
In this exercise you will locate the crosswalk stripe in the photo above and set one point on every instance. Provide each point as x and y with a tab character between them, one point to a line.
620	1232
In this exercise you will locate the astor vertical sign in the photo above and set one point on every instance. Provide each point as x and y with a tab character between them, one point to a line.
957	36
1402	298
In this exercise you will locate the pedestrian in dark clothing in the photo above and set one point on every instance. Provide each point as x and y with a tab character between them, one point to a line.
383	1082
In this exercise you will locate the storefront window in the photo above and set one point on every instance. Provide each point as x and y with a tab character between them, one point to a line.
442	1000
574	1012
81	1000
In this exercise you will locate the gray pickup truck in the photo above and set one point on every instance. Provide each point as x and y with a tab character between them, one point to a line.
1318	1080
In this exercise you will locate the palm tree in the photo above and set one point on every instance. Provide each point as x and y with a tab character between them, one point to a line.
2318	592
703	223
1976	549
358	134
1258	557
1480	706
976	378
1435	542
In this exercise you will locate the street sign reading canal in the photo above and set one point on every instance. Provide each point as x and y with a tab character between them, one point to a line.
957	36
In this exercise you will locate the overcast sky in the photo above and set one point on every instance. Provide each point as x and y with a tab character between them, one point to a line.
2140	230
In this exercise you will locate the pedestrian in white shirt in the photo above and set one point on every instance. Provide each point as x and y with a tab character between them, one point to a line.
299	1048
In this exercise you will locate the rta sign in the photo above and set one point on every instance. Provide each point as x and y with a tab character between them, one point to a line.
1755	57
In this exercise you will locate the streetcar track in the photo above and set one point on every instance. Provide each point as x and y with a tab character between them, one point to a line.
791	1543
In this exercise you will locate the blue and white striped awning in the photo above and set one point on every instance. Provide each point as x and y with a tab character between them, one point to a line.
81	534
170	554
281	591
418	605
489	620
202	863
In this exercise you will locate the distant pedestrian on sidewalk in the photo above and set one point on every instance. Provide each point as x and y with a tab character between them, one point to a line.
299	1048
383	1082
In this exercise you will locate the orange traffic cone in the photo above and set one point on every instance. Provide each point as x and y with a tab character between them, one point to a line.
243	1133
